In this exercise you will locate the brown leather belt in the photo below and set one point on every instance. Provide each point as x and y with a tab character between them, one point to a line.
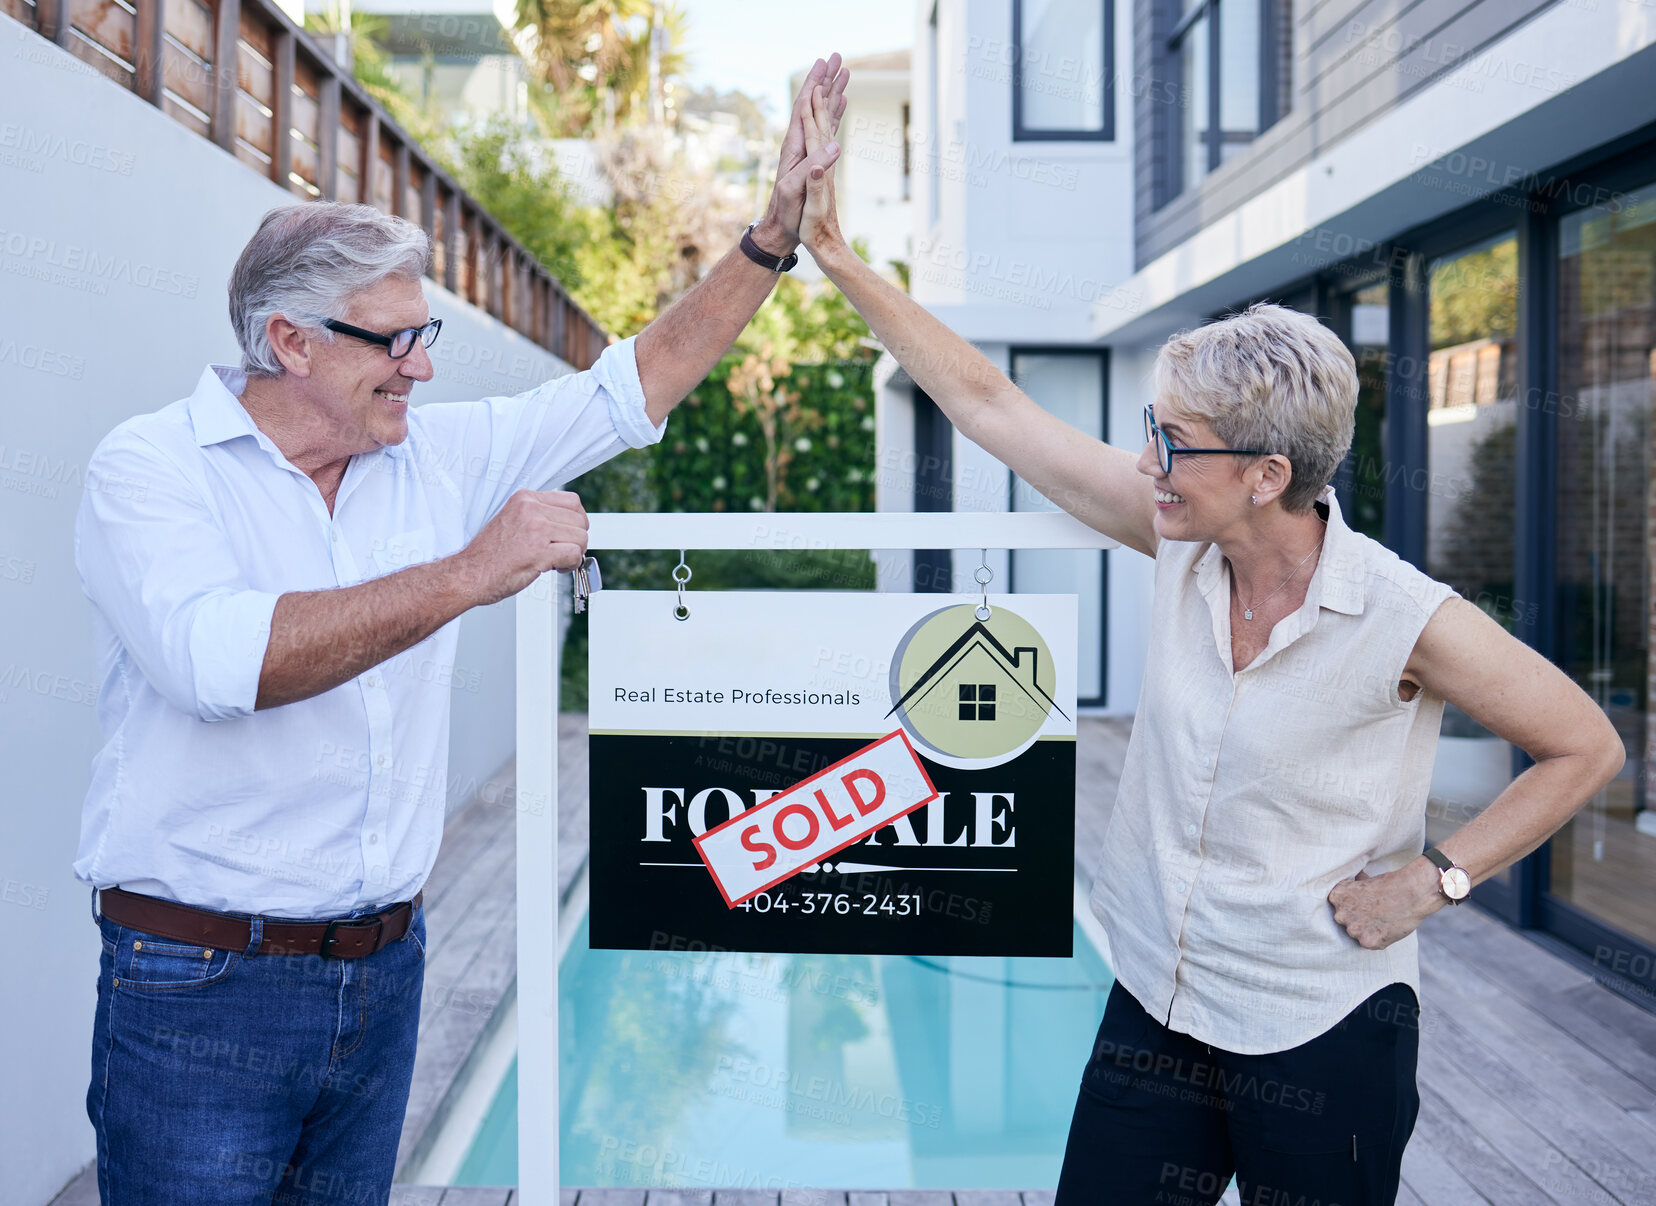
346	938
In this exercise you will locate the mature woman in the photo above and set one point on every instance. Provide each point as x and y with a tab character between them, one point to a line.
1262	876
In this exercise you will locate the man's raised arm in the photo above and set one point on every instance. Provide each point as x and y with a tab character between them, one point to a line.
679	349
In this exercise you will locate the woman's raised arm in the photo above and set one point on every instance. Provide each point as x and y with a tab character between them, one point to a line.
1097	483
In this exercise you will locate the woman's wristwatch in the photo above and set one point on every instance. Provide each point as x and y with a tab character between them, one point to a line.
1453	881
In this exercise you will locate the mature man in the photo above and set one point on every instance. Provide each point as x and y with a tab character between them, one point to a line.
273	600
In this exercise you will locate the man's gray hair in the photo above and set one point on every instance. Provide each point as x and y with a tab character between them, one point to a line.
306	261
1270	378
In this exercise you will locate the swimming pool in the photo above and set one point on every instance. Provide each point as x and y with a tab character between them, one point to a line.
734	1070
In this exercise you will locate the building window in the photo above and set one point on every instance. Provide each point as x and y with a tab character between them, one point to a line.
1063	81
1363	319
977	701
1604	861
1471	491
1227	59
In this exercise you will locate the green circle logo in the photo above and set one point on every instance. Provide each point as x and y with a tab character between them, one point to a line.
973	690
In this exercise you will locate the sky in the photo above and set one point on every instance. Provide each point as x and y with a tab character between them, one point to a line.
755	45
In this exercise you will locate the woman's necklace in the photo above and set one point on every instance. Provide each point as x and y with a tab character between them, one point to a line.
1248	609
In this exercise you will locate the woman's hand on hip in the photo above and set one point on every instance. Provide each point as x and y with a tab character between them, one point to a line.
1378	910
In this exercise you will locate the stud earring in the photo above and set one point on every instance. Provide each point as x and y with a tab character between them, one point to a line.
1254	499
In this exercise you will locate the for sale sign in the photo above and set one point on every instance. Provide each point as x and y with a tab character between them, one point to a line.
820	772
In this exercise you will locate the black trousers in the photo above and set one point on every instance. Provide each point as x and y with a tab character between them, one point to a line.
1164	1120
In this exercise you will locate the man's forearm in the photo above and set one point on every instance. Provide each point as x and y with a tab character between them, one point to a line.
320	639
677	351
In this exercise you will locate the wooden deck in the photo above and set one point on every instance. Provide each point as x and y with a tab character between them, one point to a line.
1538	1084
425	1195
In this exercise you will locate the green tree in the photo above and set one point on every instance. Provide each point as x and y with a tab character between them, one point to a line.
1475	296
598	60
516	180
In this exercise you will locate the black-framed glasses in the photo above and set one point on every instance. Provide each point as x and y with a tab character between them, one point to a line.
1165	449
398	343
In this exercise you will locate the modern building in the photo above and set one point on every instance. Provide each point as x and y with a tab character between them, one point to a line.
1465	190
457	58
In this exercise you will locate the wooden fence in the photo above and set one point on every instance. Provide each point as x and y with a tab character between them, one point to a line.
291	113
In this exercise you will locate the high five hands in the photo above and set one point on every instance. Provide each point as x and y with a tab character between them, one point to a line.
807	147
819	120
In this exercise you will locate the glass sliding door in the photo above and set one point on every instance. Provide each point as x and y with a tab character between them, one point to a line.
1364	322
1471	497
1069	383
1604	861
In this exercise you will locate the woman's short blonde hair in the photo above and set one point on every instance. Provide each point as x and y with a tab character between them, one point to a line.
1270	378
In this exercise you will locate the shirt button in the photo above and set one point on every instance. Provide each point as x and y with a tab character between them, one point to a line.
1179	887
381	760
1190	831
1206	760
373	838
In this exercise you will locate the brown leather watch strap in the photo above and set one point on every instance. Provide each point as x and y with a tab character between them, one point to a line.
340	939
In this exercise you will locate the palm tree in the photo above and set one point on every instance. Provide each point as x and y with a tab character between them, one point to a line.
602	63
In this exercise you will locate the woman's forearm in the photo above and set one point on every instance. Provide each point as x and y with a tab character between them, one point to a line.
1533	807
954	374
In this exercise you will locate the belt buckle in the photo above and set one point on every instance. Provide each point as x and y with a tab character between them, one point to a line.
328	934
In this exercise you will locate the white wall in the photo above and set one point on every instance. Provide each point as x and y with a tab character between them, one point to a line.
118	229
1031	234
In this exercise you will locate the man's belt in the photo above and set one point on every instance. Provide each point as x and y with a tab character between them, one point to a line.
346	938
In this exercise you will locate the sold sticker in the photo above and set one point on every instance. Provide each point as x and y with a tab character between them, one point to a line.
762	846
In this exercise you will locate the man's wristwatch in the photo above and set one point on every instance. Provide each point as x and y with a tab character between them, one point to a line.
1453	881
756	253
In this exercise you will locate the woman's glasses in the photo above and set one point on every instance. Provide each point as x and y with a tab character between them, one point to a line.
1164	447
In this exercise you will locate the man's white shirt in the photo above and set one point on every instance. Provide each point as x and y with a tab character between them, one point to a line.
192	524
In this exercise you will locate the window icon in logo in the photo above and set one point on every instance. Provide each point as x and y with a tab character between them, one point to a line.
977	701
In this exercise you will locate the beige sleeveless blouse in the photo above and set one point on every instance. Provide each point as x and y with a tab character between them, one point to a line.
1244	798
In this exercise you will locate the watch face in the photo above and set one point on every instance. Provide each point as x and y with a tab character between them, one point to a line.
1456	883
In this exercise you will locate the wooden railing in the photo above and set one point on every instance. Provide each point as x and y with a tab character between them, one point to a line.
291	113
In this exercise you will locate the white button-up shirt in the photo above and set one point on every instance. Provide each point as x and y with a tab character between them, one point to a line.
1246	796
192	524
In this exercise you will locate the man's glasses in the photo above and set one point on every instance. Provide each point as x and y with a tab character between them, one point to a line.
1166	451
398	343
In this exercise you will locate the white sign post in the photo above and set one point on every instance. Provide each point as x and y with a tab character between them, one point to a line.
537	742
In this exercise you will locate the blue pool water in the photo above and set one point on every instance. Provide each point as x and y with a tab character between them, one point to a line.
730	1070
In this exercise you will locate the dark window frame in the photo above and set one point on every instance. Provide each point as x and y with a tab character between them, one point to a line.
1533	210
1272	71
1013	351
1106	130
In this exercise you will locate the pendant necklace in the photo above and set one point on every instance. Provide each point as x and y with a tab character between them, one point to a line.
1247	609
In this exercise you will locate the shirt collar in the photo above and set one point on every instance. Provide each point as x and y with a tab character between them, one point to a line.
1337	582
1342	569
216	412
217	415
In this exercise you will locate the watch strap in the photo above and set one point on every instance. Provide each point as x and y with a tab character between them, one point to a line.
1439	859
756	253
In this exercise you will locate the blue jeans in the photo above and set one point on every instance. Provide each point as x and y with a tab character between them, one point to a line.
225	1078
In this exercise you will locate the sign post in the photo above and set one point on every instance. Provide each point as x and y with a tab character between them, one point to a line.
844	793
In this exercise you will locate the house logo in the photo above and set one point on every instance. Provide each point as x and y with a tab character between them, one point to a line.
974	692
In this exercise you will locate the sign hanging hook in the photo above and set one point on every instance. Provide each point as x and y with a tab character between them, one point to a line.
681	612
984	576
